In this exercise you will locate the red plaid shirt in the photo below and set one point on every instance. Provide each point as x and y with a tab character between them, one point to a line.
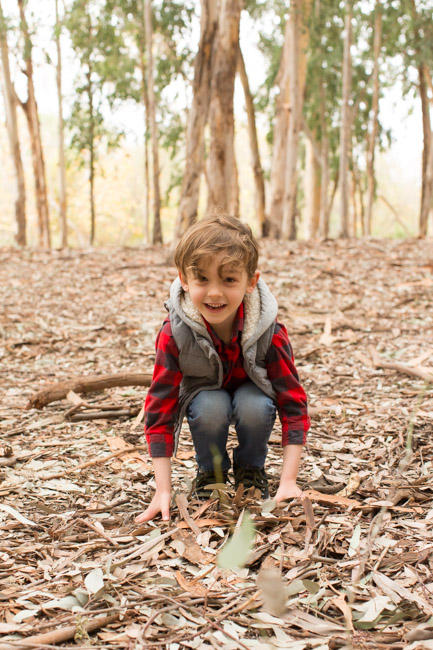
162	398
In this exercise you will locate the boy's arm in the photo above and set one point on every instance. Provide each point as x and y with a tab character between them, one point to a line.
161	499
288	489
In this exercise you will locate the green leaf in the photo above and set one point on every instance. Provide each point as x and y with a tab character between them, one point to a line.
235	552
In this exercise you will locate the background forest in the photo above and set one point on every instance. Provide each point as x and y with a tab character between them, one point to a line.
139	115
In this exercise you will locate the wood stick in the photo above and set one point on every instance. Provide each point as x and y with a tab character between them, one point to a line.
400	367
90	384
58	636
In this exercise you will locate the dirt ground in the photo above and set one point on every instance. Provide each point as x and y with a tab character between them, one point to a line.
349	567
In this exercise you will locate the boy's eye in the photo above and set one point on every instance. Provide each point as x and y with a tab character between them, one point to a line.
230	279
201	278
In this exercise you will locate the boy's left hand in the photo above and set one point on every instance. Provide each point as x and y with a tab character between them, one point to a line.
288	490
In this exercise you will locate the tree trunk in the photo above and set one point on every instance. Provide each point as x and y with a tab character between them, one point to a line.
374	119
279	147
62	167
145	96
299	36
312	191
427	154
157	233
31	111
324	202
254	146
345	125
12	128
91	154
223	190
197	117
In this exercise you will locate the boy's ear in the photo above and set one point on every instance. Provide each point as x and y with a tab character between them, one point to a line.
183	281
253	282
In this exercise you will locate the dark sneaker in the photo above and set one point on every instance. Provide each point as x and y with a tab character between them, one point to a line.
252	477
203	482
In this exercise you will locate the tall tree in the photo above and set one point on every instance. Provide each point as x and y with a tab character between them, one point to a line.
30	108
10	101
62	165
374	128
345	123
280	131
222	170
103	80
157	233
259	179
197	117
298	43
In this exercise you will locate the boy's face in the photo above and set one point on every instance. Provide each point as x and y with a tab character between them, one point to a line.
218	291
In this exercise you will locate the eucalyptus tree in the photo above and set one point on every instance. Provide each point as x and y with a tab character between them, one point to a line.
62	164
30	108
10	101
102	82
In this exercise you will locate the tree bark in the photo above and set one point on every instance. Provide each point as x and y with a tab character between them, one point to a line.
254	146
427	154
30	108
12	128
146	226
374	119
157	233
90	384
299	37
279	147
345	125
223	188
312	191
324	202
197	117
62	167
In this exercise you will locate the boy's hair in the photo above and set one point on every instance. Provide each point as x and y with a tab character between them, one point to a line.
214	235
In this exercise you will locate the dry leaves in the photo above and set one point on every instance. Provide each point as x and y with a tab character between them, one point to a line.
353	562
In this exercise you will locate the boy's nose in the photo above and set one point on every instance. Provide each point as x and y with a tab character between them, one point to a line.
214	290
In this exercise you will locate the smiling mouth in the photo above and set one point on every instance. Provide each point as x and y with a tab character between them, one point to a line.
214	307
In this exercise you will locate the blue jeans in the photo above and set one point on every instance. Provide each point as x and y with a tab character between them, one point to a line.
210	414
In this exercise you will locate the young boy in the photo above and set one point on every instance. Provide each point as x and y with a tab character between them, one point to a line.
222	358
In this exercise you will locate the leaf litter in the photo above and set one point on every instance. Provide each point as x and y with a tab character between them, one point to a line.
350	566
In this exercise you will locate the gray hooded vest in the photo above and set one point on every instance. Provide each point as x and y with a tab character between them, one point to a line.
198	359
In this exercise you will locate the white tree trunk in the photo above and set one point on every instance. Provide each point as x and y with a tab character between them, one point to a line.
62	166
345	125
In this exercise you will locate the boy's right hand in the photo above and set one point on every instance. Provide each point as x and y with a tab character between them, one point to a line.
159	504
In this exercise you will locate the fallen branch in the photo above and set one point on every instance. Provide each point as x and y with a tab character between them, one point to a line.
105	415
60	635
91	384
378	362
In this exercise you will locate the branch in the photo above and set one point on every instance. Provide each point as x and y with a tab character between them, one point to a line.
91	384
378	362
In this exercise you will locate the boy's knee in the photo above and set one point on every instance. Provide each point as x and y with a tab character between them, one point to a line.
253	407
213	407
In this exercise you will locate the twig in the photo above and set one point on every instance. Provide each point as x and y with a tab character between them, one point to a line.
58	636
400	367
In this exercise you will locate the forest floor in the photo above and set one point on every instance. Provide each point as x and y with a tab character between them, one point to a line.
351	566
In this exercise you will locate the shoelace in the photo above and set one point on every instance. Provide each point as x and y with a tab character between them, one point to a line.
249	476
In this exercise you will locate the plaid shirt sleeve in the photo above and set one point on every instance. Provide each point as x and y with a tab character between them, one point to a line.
162	398
291	397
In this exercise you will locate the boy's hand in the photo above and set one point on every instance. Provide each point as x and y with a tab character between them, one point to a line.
288	490
159	504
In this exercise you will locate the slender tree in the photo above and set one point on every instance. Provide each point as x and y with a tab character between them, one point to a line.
259	179
12	128
30	108
222	170
374	128
197	117
345	123
62	165
298	42
157	233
